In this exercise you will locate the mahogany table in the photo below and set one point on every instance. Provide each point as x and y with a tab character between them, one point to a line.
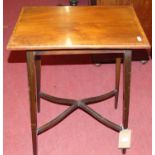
77	30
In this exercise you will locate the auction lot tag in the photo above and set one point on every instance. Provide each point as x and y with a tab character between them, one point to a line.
124	139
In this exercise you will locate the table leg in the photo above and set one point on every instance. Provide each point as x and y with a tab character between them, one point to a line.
38	77
32	95
117	81
126	88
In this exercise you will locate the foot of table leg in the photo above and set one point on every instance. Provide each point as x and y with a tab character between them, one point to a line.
117	81
38	78
32	95
123	151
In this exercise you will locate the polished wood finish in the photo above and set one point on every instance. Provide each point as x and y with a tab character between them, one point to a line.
69	102
143	10
100	118
57	100
99	98
74	52
126	86
32	94
75	104
57	120
117	80
34	64
47	28
76	30
38	76
126	89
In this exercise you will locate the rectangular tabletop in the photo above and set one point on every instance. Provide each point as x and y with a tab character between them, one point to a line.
81	27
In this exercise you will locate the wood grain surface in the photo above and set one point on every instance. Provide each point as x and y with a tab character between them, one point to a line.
143	9
86	27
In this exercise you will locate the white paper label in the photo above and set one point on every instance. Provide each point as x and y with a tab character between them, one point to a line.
124	138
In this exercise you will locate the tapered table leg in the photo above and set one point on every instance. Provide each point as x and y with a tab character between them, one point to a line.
32	95
38	77
126	88
117	80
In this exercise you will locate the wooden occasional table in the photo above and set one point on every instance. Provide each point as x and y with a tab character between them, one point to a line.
77	30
